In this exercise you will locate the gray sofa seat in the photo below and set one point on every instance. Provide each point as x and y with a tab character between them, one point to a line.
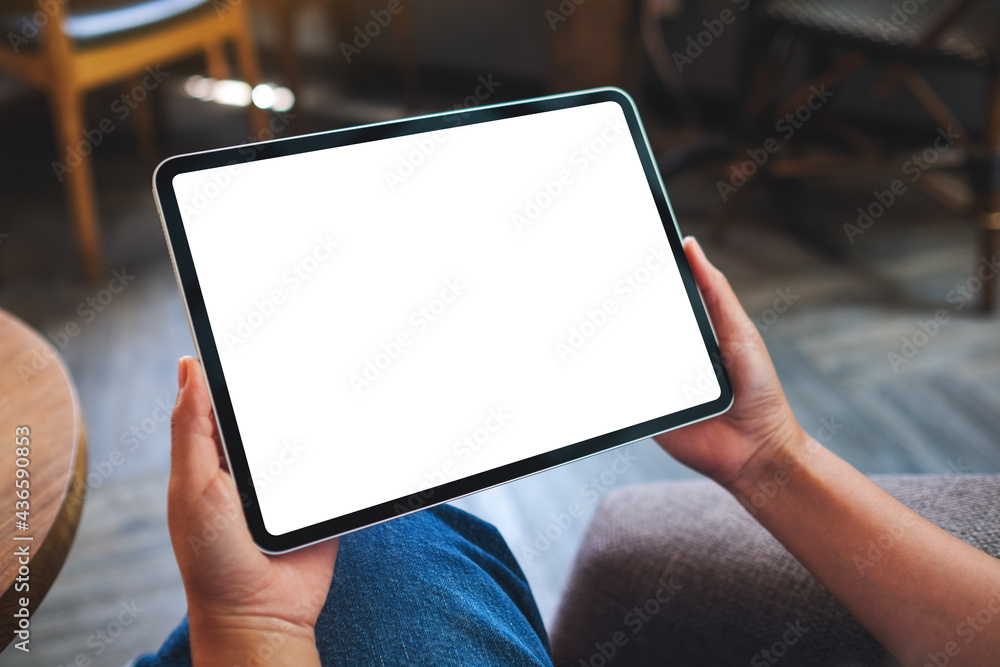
678	573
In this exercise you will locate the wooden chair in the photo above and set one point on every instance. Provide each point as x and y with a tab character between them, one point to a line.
67	49
845	36
345	16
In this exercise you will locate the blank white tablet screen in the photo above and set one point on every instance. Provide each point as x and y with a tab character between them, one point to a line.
403	313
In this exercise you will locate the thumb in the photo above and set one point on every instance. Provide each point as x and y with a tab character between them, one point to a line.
195	456
731	323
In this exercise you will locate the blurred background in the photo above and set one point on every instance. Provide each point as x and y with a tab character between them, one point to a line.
837	160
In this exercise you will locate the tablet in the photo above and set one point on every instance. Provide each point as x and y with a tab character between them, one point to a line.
393	316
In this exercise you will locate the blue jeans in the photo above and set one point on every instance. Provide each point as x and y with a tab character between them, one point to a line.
439	587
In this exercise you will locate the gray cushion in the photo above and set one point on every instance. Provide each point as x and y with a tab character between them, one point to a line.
677	573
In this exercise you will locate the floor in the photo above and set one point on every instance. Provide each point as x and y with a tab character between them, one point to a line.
937	412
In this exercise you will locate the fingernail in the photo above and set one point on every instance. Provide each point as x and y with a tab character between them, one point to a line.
182	373
697	248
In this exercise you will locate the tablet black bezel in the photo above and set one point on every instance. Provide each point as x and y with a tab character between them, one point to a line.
187	278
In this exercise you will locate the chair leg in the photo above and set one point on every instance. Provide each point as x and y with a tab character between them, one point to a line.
845	65
991	248
215	58
250	69
142	119
342	18
987	181
721	218
407	49
67	112
290	65
760	70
